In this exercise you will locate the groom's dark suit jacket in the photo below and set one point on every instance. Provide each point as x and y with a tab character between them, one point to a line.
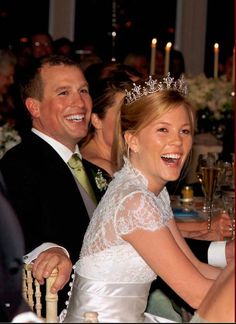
45	196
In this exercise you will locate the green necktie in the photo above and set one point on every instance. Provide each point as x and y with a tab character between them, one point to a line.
76	164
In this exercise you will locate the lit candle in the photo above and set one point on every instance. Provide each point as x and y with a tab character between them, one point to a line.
153	56
233	66
167	57
216	59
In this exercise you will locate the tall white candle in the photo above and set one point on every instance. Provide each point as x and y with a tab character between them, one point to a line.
216	59
167	57
233	67
153	56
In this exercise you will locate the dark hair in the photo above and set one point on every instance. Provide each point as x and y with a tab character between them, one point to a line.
40	32
31	84
103	96
61	42
177	66
7	57
103	92
109	70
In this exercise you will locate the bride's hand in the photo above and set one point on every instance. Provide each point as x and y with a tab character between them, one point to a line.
222	224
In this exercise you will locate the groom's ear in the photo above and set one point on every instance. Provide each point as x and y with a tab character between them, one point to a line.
33	107
131	141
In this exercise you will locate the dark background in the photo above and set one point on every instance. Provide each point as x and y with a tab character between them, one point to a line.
220	29
136	23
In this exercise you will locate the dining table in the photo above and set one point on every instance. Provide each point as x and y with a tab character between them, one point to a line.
190	211
193	212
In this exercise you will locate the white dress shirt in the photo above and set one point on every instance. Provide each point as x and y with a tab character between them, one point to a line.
217	254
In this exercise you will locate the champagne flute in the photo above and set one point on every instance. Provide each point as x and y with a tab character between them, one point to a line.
208	176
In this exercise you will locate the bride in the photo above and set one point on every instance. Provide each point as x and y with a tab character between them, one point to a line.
132	236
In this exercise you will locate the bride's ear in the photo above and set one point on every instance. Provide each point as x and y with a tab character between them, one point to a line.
131	141
96	121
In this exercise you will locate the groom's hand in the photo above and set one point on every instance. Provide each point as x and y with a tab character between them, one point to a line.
53	258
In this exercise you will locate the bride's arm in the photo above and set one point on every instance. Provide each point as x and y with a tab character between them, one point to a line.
159	249
147	224
207	270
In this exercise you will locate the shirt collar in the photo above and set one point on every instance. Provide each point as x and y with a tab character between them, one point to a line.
64	152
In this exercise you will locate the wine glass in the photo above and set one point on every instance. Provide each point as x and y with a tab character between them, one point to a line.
208	176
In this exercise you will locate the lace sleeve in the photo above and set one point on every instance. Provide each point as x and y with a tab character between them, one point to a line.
139	211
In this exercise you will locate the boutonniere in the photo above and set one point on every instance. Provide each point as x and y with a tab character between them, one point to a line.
101	182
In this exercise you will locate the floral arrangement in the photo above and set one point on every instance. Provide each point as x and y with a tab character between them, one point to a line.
215	94
9	137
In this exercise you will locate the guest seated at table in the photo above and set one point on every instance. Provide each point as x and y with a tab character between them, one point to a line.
132	236
64	46
41	44
107	95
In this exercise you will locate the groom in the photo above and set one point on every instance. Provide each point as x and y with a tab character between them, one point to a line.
48	200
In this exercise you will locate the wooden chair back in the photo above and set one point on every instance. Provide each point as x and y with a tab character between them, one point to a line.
34	295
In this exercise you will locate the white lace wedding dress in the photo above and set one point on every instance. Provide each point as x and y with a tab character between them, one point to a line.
111	277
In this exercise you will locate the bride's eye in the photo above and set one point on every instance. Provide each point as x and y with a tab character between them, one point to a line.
185	131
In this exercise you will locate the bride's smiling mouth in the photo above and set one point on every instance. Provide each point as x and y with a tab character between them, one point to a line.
171	158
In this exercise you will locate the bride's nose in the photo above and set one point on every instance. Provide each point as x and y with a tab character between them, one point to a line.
176	139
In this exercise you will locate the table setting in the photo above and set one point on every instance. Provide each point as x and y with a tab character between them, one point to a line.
217	182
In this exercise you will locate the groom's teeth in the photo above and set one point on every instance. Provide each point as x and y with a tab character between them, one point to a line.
75	117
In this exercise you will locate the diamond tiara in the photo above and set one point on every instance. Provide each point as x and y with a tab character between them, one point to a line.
152	86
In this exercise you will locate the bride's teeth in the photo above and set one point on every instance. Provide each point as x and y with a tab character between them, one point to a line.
171	156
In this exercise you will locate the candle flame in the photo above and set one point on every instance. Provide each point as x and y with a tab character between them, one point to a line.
168	45
216	46
154	41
